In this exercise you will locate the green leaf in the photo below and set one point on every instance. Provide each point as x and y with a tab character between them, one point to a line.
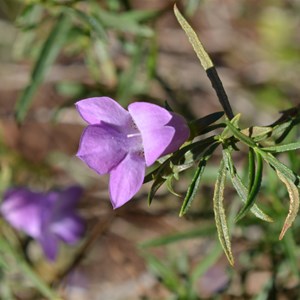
195	42
227	132
181	159
176	237
279	166
158	182
283	148
170	186
239	135
240	187
121	22
294	203
28	272
254	188
206	263
251	166
141	16
193	188
127	79
220	217
258	133
199	126
92	22
49	52
167	275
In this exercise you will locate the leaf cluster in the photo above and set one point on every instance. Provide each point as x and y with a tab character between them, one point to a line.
263	144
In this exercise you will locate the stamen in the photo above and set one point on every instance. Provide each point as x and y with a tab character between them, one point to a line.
141	153
133	135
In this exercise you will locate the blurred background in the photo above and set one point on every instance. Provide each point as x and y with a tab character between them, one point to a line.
56	52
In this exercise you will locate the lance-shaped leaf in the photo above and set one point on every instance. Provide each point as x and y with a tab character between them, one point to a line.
251	168
48	54
204	231
294	203
254	188
193	188
226	134
283	148
202	125
258	133
239	135
219	211
170	181
240	187
201	53
279	166
92	22
158	182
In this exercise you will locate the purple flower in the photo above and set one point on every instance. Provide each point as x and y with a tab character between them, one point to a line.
122	143
47	217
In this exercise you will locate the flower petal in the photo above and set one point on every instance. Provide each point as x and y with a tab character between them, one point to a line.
126	179
67	200
49	243
102	147
182	133
95	110
162	131
21	208
70	228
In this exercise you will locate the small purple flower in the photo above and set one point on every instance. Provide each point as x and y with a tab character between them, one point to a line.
47	217
122	143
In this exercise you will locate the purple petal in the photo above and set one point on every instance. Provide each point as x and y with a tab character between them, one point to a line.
126	179
49	243
70	228
162	132
67	200
21	208
94	110
182	133
102	147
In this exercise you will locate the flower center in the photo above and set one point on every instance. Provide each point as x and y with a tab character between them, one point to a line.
134	138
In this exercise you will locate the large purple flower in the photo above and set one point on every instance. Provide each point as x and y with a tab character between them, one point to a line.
122	143
46	217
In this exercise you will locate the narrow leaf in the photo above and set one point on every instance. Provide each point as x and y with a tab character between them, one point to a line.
220	217
205	264
92	22
181	159
258	133
251	167
168	276
254	189
169	183
294	203
227	132
240	187
239	135
198	47
176	237
283	148
158	182
48	54
193	188
199	126
279	166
